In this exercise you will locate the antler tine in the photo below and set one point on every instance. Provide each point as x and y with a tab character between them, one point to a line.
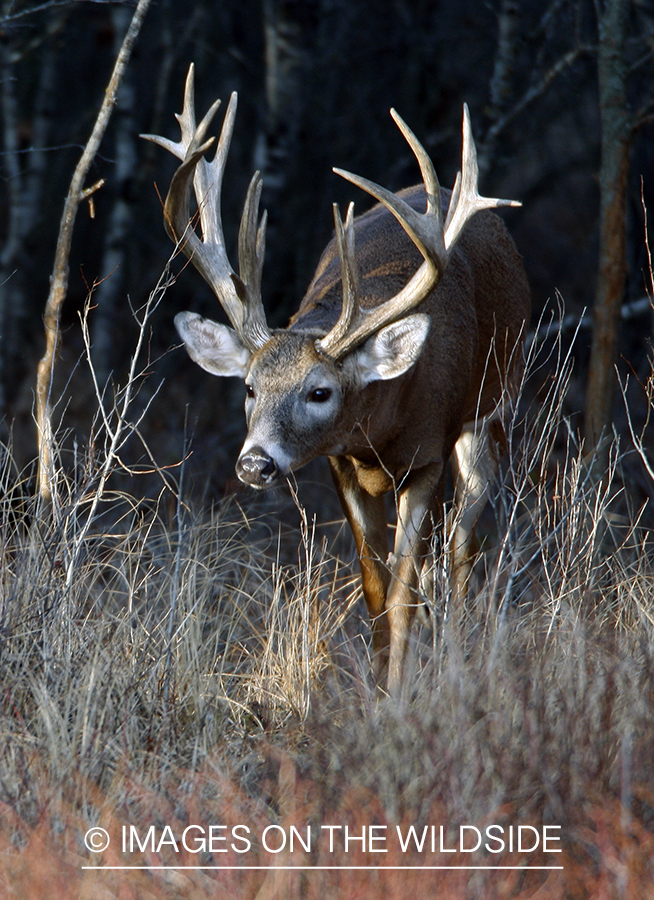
208	177
466	200
349	279
190	133
251	254
239	297
427	170
424	229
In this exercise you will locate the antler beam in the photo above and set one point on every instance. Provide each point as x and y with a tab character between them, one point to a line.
239	295
427	232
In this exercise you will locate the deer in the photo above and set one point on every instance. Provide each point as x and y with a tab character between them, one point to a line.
399	359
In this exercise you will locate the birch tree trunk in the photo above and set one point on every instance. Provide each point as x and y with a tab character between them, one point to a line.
47	481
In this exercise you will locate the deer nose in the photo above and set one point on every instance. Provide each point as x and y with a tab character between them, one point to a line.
256	468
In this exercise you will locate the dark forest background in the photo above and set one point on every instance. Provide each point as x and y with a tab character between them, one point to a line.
316	79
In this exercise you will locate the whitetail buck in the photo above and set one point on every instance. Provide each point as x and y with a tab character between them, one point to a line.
387	394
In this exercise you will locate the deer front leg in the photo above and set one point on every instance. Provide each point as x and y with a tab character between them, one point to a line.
366	516
420	505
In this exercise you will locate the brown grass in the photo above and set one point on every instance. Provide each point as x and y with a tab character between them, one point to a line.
167	667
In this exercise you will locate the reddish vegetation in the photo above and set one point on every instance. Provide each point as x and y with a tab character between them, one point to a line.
608	853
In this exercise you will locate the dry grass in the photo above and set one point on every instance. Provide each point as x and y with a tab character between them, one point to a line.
166	667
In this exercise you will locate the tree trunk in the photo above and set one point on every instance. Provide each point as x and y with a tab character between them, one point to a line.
501	88
285	62
616	127
110	289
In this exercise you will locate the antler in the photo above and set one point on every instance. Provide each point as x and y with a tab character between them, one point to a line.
239	295
426	230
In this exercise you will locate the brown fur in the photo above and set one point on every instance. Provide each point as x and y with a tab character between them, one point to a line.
477	313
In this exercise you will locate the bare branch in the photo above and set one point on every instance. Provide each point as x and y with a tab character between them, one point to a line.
59	277
530	96
49	4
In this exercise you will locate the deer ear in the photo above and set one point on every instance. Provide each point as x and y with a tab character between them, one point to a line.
215	347
392	350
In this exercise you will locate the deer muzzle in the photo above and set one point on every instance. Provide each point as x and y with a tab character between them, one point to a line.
257	468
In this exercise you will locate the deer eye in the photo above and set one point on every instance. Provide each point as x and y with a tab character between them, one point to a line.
319	395
249	391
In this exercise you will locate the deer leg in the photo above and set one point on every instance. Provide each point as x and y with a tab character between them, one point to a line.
367	518
475	463
419	511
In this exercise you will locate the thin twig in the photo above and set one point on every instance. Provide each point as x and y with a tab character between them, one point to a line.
59	277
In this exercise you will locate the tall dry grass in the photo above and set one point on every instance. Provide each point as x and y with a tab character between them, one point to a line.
169	666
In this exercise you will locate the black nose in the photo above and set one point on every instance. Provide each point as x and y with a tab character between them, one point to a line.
257	468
